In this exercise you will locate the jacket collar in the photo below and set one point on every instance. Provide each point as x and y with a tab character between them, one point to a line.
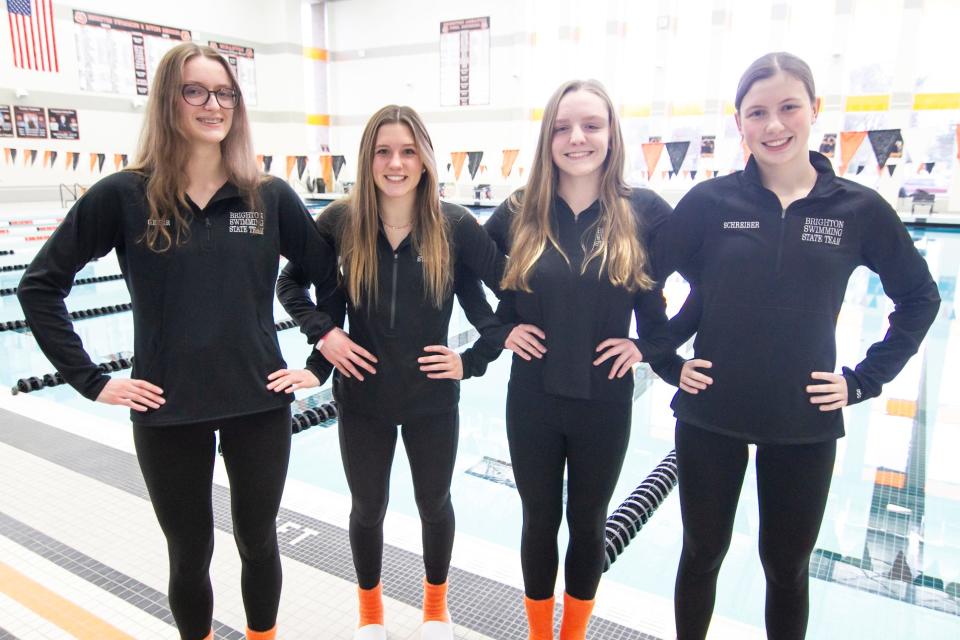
826	183
228	190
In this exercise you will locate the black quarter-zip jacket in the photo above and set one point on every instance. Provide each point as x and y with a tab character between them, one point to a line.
770	283
577	311
202	311
402	321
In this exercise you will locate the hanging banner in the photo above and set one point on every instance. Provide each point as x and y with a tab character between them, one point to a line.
458	158
326	171
267	162
6	122
63	124
465	62
473	162
850	141
117	55
301	166
53	158
29	157
828	146
338	162
241	60
678	153
651	154
291	163
887	143
31	122
509	157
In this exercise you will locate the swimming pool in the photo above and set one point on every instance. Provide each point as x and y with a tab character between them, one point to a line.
888	559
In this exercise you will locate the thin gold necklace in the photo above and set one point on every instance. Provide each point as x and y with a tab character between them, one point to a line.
396	227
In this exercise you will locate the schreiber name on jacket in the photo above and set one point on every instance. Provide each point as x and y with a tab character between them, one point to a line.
246	222
748	224
822	230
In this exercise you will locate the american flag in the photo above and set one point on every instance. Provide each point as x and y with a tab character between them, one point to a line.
32	34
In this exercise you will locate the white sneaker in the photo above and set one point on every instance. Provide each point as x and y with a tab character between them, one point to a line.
435	630
370	632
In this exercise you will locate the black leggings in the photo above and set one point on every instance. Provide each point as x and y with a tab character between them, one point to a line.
792	486
367	445
177	464
548	434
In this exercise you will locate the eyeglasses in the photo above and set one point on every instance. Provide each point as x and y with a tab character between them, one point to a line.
198	95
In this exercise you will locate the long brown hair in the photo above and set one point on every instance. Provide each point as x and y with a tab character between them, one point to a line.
358	243
620	253
164	149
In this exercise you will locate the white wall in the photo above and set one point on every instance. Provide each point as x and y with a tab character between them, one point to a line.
110	123
661	60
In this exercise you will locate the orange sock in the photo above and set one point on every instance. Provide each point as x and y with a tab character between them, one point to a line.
576	615
435	602
371	605
262	635
539	618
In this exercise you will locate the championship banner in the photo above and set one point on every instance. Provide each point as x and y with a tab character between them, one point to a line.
465	62
119	55
241	60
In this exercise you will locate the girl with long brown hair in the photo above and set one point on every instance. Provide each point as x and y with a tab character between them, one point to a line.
578	267
403	254
770	250
198	233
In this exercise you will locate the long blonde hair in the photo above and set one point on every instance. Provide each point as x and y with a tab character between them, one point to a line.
621	254
358	244
164	149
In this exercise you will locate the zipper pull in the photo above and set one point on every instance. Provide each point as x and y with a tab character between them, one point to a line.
208	245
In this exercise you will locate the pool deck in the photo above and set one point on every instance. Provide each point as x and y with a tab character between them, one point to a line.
83	556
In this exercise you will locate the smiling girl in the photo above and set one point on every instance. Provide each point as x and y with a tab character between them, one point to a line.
771	249
198	233
403	255
578	268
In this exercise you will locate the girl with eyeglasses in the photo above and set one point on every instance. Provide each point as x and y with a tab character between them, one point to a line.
578	270
770	250
403	255
198	233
